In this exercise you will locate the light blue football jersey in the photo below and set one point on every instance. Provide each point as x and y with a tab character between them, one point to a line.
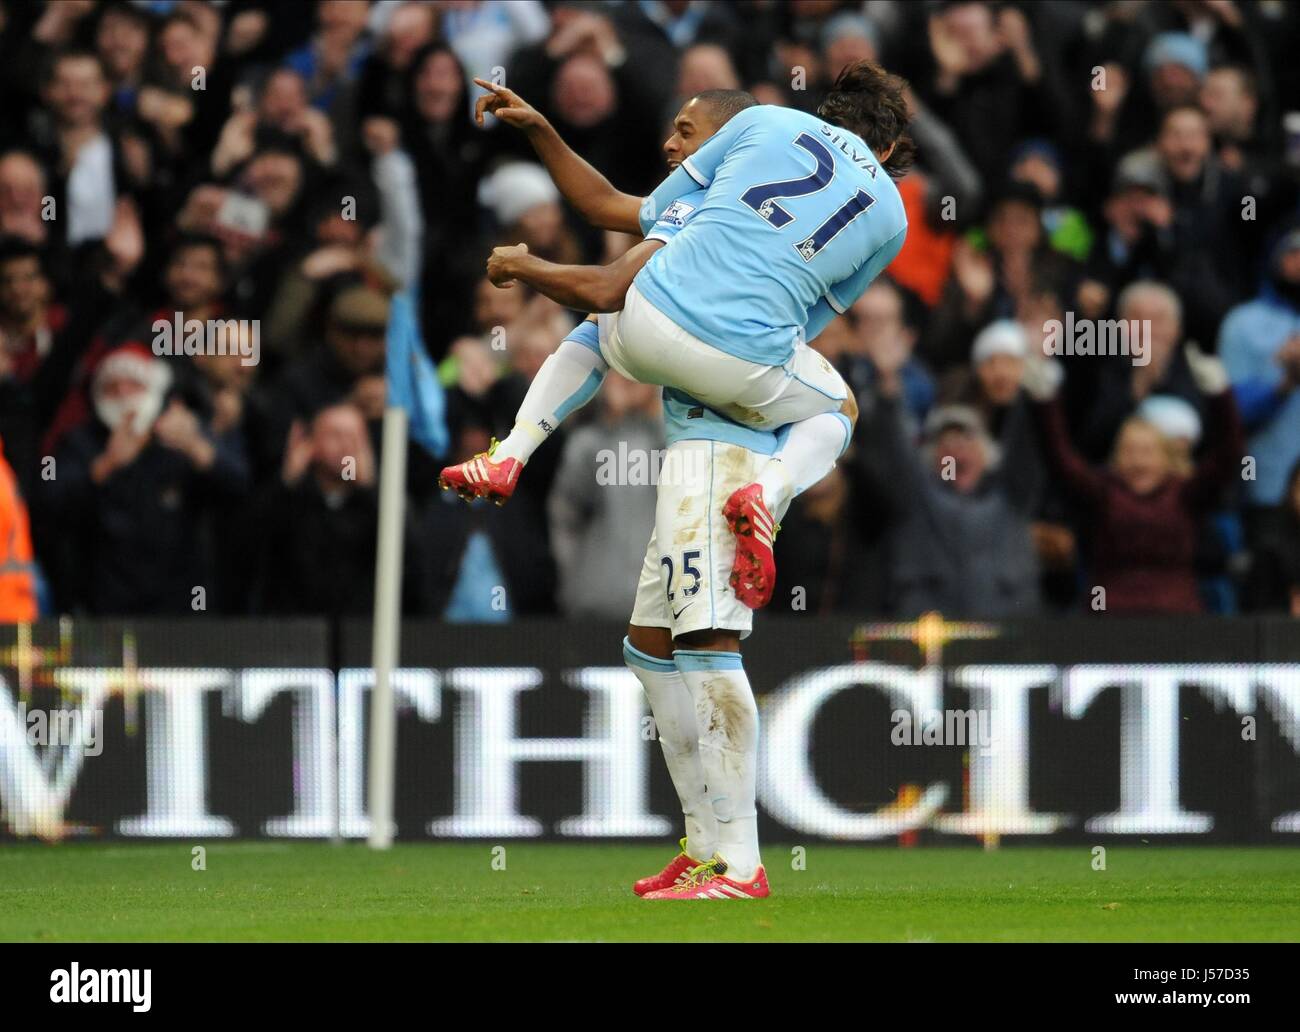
686	418
797	219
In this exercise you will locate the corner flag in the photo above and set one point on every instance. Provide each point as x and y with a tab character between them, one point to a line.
412	380
415	406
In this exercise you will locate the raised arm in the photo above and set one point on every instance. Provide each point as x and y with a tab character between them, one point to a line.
590	193
1220	464
1074	470
587	288
1021	471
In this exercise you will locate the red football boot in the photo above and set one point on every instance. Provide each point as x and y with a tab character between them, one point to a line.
677	866
753	573
710	881
480	477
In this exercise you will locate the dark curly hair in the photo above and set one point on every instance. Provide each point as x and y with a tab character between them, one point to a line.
869	101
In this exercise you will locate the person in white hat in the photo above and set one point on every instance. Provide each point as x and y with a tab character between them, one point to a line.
526	204
998	356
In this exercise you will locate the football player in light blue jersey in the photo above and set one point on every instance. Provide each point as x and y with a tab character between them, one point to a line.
683	598
756	369
798	219
800	214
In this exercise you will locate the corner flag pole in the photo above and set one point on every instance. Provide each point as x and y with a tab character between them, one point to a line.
388	616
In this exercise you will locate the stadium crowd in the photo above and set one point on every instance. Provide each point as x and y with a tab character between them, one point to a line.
284	166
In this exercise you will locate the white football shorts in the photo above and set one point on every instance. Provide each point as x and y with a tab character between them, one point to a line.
643	344
684	576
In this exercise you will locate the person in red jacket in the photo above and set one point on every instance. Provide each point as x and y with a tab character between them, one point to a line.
1146	507
17	571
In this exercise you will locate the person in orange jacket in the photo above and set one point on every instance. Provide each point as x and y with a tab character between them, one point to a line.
17	570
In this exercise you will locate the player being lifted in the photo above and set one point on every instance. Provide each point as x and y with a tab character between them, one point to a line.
800	214
705	667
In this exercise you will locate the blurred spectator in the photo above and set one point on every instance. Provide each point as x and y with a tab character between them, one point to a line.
122	43
313	530
17	568
383	91
667	27
992	386
1231	106
705	66
192	286
526	205
349	368
1207	230
1147	507
960	541
485	34
77	93
485	564
338	248
1176	63
334	55
1136	241
1039	162
830	554
283	116
133	488
1220	535
22	197
449	155
943	192
42	338
220	386
30	320
1130	98
187	96
1123	383
494	308
1276	571
846	39
995	272
982	75
992	382
602	511
883	336
1260	345
606	99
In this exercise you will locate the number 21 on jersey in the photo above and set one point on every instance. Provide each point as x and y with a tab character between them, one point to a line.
763	198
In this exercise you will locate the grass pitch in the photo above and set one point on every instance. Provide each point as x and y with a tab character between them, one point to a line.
440	892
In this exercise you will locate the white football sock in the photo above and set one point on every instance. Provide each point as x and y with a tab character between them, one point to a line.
727	717
809	452
568	379
673	707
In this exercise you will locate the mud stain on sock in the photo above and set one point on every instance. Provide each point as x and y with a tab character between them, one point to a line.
730	711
